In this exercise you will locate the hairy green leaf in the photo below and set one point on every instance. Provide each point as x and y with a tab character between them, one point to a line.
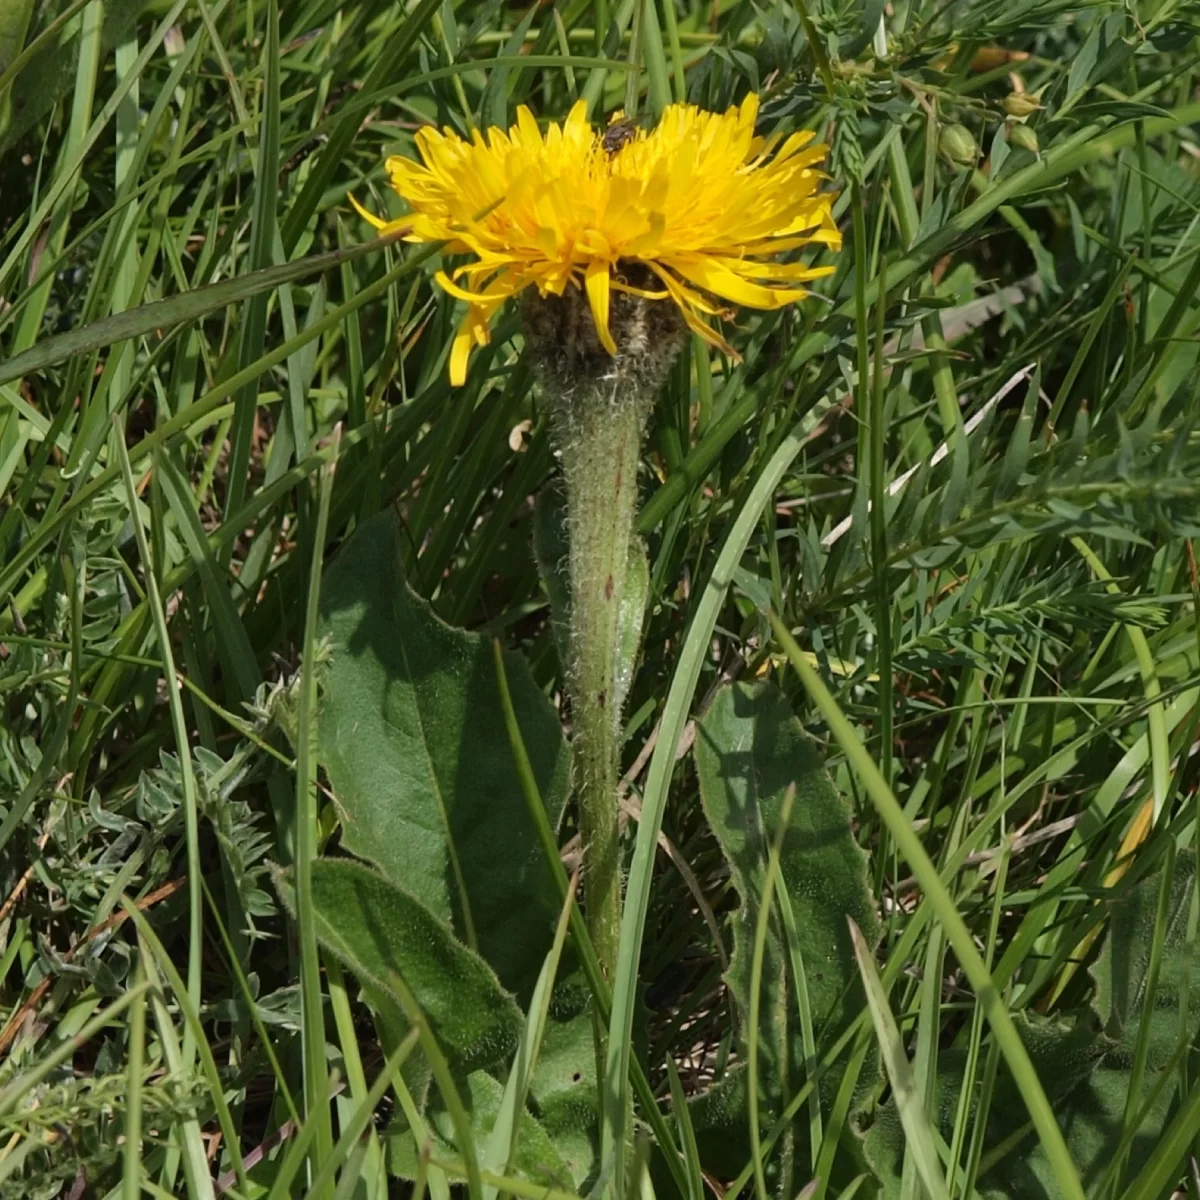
749	749
378	929
536	1159
1121	972
563	1092
414	741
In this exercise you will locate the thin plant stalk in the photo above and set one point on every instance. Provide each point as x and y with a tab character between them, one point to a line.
599	402
191	808
316	1092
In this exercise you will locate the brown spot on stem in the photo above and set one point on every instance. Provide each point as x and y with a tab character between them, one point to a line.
608	588
601	699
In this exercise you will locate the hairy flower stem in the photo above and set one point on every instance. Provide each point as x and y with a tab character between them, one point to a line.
598	406
599	431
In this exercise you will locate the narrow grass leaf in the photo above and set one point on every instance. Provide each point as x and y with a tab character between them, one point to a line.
922	1145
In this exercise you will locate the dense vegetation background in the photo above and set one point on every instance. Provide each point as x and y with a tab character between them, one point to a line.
208	382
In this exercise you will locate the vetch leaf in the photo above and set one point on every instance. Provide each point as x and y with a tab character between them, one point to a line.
413	739
1017	455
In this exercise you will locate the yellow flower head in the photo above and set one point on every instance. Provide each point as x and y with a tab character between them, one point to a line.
700	201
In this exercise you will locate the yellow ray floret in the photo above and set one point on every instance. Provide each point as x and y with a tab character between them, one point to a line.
700	201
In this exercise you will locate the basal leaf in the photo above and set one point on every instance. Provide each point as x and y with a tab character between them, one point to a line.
1066	1057
536	1159
750	749
564	1094
720	1119
377	928
414	742
1086	1076
1121	970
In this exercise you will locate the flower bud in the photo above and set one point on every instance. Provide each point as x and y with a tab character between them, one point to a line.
957	144
1021	104
1024	137
566	348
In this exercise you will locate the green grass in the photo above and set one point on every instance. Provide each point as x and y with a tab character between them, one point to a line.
957	536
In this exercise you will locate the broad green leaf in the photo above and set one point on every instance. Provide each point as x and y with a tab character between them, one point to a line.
1066	1057
906	1097
1092	1118
378	929
413	739
719	1118
749	749
1121	970
536	1158
1086	1075
564	1095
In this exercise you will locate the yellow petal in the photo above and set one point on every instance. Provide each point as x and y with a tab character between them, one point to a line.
474	330
527	126
490	298
369	217
460	353
721	281
628	288
702	200
596	282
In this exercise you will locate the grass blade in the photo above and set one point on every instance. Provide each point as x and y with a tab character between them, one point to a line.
908	1099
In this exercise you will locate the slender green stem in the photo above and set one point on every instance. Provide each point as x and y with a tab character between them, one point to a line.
316	1088
879	536
131	1175
191	806
583	943
598	404
662	764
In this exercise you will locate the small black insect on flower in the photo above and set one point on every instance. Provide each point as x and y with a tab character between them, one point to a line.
620	132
